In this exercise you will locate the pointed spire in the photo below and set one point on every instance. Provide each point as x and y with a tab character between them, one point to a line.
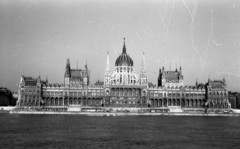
176	67
86	65
68	63
180	66
196	83
124	47
46	79
107	58
107	64
39	77
143	61
67	70
224	81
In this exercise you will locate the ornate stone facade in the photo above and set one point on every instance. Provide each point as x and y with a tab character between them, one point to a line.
29	92
217	95
122	87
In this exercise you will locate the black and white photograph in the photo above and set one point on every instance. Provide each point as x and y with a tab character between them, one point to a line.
120	74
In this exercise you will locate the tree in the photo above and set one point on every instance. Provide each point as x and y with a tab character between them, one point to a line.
4	100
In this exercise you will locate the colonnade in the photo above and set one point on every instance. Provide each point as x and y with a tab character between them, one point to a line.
125	92
84	101
195	103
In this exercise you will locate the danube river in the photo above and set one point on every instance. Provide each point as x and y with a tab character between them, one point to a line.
140	132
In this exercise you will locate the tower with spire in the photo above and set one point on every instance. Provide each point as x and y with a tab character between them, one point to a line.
67	74
143	74
170	78
107	75
159	78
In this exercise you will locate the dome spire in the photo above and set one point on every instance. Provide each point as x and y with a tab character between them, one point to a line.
124	59
124	47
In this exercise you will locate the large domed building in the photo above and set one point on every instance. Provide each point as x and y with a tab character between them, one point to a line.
124	71
123	85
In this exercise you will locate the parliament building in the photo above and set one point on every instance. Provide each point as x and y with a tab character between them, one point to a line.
122	88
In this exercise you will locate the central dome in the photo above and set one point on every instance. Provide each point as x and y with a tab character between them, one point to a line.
124	59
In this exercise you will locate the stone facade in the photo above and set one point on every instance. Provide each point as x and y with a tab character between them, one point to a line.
217	95
29	92
122	87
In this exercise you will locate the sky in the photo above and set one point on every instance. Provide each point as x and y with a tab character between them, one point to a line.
37	37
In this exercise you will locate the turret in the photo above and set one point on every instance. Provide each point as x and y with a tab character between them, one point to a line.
39	81
67	69
180	70
196	83
21	83
224	82
67	74
46	80
159	78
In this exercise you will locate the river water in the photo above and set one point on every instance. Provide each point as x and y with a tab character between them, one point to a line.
140	132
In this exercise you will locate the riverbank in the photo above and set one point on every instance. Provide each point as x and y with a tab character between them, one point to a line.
6	109
122	113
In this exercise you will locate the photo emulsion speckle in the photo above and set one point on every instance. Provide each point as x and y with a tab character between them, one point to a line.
141	74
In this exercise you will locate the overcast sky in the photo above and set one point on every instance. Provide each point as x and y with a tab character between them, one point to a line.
38	37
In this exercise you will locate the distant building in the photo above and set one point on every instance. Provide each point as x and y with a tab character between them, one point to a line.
232	97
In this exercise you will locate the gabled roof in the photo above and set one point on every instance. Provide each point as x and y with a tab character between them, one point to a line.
171	75
76	73
98	83
150	84
216	84
30	81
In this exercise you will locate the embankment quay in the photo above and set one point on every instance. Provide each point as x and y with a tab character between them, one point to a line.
112	111
123	113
